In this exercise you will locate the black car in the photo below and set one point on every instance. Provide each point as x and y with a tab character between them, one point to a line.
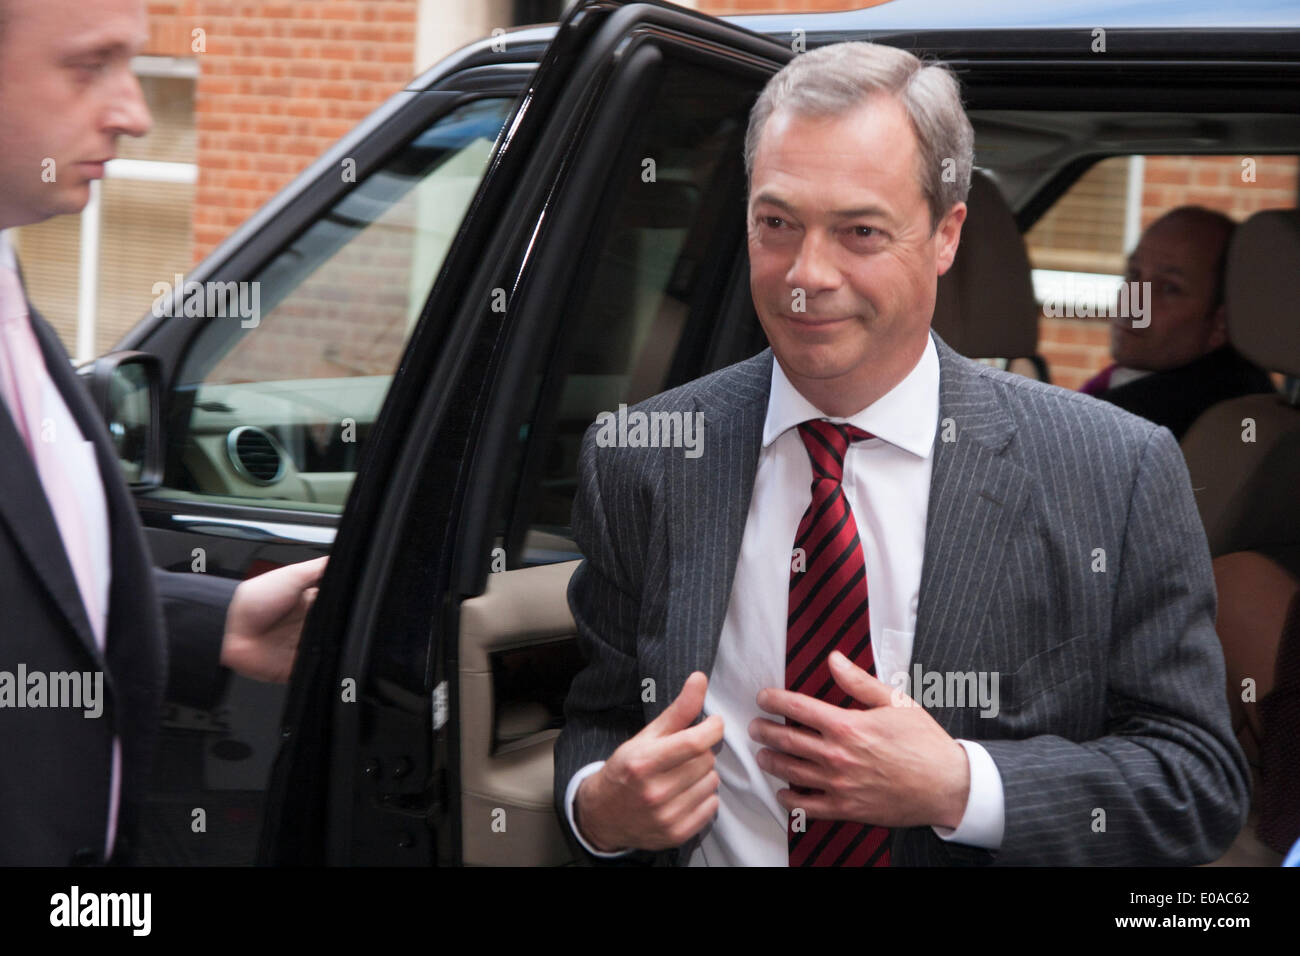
532	233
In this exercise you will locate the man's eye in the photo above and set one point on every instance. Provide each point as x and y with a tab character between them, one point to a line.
773	222
866	237
90	68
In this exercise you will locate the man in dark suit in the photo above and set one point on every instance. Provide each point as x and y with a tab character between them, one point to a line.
1174	368
876	522
86	648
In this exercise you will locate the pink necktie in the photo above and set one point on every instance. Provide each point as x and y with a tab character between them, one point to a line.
22	383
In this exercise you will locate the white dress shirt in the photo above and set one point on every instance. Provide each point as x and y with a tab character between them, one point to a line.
1123	375
77	459
887	483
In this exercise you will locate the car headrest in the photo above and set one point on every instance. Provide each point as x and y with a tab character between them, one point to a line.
1262	286
984	306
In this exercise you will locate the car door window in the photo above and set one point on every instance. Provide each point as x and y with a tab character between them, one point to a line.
644	320
274	402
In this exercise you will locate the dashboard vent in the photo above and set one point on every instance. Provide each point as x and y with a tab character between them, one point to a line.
255	454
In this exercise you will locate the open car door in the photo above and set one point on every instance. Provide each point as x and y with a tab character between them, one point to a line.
600	261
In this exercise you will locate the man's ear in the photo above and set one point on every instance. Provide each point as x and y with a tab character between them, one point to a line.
1218	328
948	235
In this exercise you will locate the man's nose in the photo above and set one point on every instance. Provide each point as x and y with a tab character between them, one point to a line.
128	113
812	269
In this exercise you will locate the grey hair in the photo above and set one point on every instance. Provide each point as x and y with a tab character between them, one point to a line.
832	80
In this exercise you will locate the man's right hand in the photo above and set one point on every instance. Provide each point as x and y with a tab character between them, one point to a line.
659	788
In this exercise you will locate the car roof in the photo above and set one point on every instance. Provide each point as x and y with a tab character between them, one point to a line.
1255	28
1033	14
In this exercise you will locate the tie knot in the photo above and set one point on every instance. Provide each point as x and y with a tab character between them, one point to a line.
827	443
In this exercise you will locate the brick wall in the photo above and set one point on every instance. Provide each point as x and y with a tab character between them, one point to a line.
1217	182
170	23
1075	349
278	84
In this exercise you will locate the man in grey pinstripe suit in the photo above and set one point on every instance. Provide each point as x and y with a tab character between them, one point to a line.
1009	529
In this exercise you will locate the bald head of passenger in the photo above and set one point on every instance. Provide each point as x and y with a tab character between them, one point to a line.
1182	254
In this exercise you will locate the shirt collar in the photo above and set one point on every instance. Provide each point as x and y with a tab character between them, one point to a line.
1122	376
7	259
907	415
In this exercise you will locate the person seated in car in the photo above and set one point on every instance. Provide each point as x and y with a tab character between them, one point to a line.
1181	363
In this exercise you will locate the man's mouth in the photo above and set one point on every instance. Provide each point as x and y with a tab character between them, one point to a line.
94	168
814	321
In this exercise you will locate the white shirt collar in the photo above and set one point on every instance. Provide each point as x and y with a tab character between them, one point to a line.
1123	375
906	416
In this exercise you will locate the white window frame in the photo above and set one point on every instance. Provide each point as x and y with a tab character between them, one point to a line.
136	169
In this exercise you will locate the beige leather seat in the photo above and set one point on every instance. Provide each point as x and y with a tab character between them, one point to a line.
1247	489
985	306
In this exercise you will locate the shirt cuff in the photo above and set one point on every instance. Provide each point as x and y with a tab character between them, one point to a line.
571	794
985	815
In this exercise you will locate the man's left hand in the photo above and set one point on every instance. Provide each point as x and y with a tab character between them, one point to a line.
265	619
890	765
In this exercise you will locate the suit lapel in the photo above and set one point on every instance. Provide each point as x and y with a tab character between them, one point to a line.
710	499
137	650
125	562
977	495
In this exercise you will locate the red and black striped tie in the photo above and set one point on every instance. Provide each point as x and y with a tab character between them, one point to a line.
828	611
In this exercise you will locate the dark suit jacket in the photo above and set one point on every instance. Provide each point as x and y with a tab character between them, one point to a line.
1112	739
55	763
1177	397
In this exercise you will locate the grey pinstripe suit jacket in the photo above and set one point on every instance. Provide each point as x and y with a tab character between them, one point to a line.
1111	681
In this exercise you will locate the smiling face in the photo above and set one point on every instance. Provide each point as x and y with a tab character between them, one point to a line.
836	211
66	93
1180	255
